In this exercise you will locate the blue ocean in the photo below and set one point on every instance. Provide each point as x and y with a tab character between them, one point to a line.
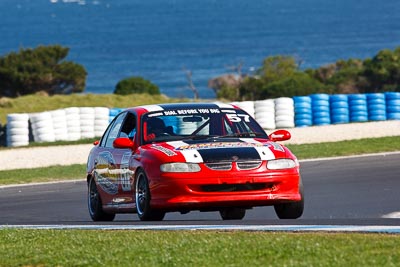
162	39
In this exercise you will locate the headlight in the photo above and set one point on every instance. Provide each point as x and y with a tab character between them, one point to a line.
280	164
180	167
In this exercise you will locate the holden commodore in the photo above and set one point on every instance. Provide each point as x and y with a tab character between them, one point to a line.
182	157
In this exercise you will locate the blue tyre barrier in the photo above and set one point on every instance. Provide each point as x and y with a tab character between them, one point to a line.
336	119
376	107
302	122
341	111
358	108
375	112
393	109
359	118
303	116
318	103
358	102
393	102
355	97
320	109
377	117
339	106
322	121
392	105
393	116
392	95
305	105
302	111
315	97
340	97
317	109
302	99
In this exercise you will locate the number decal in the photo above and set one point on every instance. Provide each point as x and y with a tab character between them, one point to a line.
238	117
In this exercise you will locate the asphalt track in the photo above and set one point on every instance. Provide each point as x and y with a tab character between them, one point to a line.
342	194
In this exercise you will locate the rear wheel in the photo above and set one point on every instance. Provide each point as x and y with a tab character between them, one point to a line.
95	205
291	210
232	213
142	198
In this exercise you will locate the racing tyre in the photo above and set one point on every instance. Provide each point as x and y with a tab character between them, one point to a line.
291	210
232	213
95	206
142	199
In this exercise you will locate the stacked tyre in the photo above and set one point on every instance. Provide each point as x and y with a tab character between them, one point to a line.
302	111
101	118
59	120
264	113
247	106
87	122
376	105
73	123
17	130
339	109
358	108
42	127
320	109
392	105
284	112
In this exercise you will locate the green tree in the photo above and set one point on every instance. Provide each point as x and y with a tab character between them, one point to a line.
251	89
136	85
40	69
383	71
277	67
342	77
299	83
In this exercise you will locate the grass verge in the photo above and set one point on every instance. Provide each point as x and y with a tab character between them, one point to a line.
36	175
195	248
305	151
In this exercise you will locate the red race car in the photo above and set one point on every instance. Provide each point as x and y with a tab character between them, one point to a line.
191	156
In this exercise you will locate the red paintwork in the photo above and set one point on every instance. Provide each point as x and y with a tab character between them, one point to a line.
182	191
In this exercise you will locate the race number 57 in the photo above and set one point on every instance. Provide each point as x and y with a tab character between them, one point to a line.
238	117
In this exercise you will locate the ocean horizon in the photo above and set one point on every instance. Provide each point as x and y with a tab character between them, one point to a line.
158	39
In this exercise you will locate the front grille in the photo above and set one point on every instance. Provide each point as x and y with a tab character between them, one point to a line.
234	187
219	166
248	165
226	166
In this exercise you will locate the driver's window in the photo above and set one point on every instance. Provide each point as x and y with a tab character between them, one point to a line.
128	128
114	130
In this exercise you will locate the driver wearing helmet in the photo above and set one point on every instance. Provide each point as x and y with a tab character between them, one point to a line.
155	127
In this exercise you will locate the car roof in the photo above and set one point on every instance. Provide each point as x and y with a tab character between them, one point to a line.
188	105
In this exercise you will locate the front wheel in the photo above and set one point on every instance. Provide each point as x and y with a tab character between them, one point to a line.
232	213
142	198
291	210
95	205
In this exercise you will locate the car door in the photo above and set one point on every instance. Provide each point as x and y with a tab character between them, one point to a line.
111	165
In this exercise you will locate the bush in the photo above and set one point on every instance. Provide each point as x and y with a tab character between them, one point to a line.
136	85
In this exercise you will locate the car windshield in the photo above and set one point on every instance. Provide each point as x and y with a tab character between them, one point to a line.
197	123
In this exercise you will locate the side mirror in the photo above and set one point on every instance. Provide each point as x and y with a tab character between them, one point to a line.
280	135
123	142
